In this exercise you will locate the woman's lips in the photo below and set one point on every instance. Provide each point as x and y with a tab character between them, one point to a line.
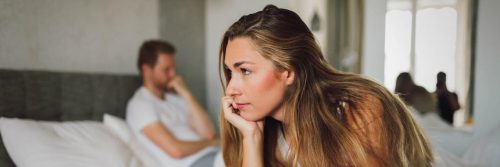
241	106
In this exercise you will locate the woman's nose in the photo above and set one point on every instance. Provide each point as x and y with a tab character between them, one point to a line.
231	90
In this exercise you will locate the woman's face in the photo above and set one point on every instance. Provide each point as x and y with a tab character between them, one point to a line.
255	85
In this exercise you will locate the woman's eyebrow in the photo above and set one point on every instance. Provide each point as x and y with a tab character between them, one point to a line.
237	64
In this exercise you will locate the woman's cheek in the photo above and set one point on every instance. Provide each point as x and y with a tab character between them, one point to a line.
264	82
264	92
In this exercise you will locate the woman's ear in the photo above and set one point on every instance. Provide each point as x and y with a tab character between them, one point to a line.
289	76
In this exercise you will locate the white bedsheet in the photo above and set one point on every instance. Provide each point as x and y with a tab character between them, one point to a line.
484	152
77	144
54	144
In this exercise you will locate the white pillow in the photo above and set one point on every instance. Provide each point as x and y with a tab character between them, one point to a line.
120	129
61	144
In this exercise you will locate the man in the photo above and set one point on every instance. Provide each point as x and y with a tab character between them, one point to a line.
163	114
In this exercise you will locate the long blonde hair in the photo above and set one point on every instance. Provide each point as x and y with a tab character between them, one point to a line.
314	103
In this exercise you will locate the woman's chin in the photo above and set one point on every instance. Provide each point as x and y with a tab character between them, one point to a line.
249	116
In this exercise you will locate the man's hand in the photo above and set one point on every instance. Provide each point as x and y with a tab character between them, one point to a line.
177	83
165	140
215	142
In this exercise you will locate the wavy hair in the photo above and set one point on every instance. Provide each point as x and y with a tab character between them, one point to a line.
320	103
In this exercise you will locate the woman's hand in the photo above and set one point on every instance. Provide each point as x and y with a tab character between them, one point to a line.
249	129
253	133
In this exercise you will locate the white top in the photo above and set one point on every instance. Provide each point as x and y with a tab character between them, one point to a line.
144	108
283	146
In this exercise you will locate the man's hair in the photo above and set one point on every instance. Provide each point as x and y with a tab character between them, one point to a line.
149	51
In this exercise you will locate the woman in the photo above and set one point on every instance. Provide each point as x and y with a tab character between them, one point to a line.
285	106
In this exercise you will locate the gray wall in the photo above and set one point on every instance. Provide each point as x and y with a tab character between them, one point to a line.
373	44
84	35
487	79
183	24
101	36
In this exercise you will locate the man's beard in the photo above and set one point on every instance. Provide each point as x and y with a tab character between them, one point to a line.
161	86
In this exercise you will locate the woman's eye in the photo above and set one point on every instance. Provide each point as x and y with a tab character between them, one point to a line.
245	71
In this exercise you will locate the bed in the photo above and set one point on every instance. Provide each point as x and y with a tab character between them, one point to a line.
62	97
61	119
76	119
483	152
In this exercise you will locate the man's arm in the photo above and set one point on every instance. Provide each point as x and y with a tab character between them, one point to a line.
199	119
177	149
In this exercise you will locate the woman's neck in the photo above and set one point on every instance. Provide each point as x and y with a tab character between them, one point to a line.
279	114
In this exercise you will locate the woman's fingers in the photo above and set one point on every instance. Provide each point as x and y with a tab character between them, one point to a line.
260	124
228	108
227	104
232	117
235	119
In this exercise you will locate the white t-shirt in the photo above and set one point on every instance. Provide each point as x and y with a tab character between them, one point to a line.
283	146
144	108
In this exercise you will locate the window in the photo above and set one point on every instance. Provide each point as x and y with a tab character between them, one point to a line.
424	37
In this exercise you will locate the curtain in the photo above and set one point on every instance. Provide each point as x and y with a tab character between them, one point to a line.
344	29
465	53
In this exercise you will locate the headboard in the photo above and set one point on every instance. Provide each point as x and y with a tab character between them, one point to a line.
62	96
